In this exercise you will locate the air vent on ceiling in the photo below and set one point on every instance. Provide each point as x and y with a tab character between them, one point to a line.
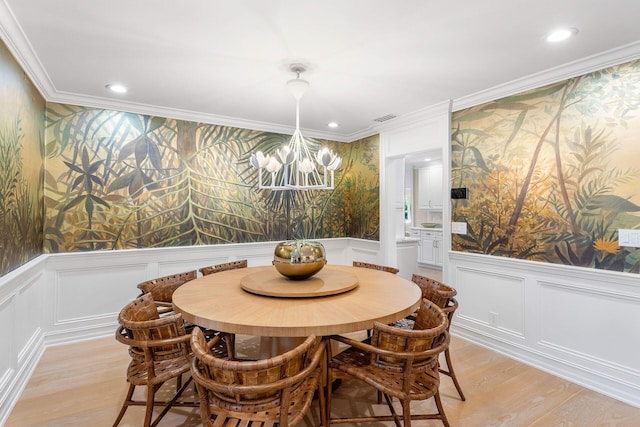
385	118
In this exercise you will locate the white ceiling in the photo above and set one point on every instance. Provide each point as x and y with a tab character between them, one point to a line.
227	61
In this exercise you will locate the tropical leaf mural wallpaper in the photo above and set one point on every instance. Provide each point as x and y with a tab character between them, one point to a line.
120	180
21	167
553	173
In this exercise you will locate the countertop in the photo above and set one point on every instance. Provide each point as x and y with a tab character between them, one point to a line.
407	240
427	229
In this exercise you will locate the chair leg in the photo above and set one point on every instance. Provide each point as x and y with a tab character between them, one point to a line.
322	403
328	401
230	340
125	404
170	403
394	415
406	412
441	409
327	377
452	374
151	395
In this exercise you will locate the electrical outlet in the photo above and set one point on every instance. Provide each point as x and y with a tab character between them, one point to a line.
493	318
629	238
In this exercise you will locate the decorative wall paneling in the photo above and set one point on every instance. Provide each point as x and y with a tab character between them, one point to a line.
22	333
62	298
579	324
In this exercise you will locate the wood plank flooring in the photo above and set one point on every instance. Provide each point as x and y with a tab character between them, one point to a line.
83	384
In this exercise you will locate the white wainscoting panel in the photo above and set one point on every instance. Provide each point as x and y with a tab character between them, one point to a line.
492	298
577	323
28	316
21	334
583	323
7	350
94	292
364	251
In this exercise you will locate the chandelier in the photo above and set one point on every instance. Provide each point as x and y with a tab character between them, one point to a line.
292	167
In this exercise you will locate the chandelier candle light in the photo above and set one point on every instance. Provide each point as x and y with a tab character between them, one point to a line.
292	166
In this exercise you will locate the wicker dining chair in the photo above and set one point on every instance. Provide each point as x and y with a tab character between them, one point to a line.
443	296
162	288
433	290
361	264
223	267
399	363
159	349
271	392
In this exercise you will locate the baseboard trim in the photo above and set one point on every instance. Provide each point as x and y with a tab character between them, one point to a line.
83	333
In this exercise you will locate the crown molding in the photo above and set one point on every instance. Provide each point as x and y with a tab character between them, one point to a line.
414	118
579	67
18	44
194	116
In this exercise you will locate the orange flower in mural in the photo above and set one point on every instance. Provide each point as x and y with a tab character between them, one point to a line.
610	246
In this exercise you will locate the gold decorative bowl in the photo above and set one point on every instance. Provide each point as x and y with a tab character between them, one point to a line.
299	259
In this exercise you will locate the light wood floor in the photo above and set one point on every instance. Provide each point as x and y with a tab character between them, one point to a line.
433	273
83	384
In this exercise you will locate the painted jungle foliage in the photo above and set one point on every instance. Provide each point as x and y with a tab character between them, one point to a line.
119	180
553	173
21	167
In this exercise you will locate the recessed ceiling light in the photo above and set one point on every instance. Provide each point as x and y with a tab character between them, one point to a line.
333	125
428	159
561	34
117	88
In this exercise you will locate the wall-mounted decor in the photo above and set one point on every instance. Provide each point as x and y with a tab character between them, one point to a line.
119	180
21	166
553	173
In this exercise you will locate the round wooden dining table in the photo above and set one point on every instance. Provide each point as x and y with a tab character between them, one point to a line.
256	301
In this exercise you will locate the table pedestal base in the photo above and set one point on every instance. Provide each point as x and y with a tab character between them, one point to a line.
273	346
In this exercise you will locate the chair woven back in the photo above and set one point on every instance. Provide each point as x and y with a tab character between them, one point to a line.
392	270
162	288
284	381
430	316
140	323
434	291
223	267
415	348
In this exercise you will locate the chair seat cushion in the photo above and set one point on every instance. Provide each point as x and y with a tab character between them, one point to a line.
404	323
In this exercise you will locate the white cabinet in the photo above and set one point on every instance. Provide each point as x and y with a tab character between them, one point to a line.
430	187
407	251
415	234
430	250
